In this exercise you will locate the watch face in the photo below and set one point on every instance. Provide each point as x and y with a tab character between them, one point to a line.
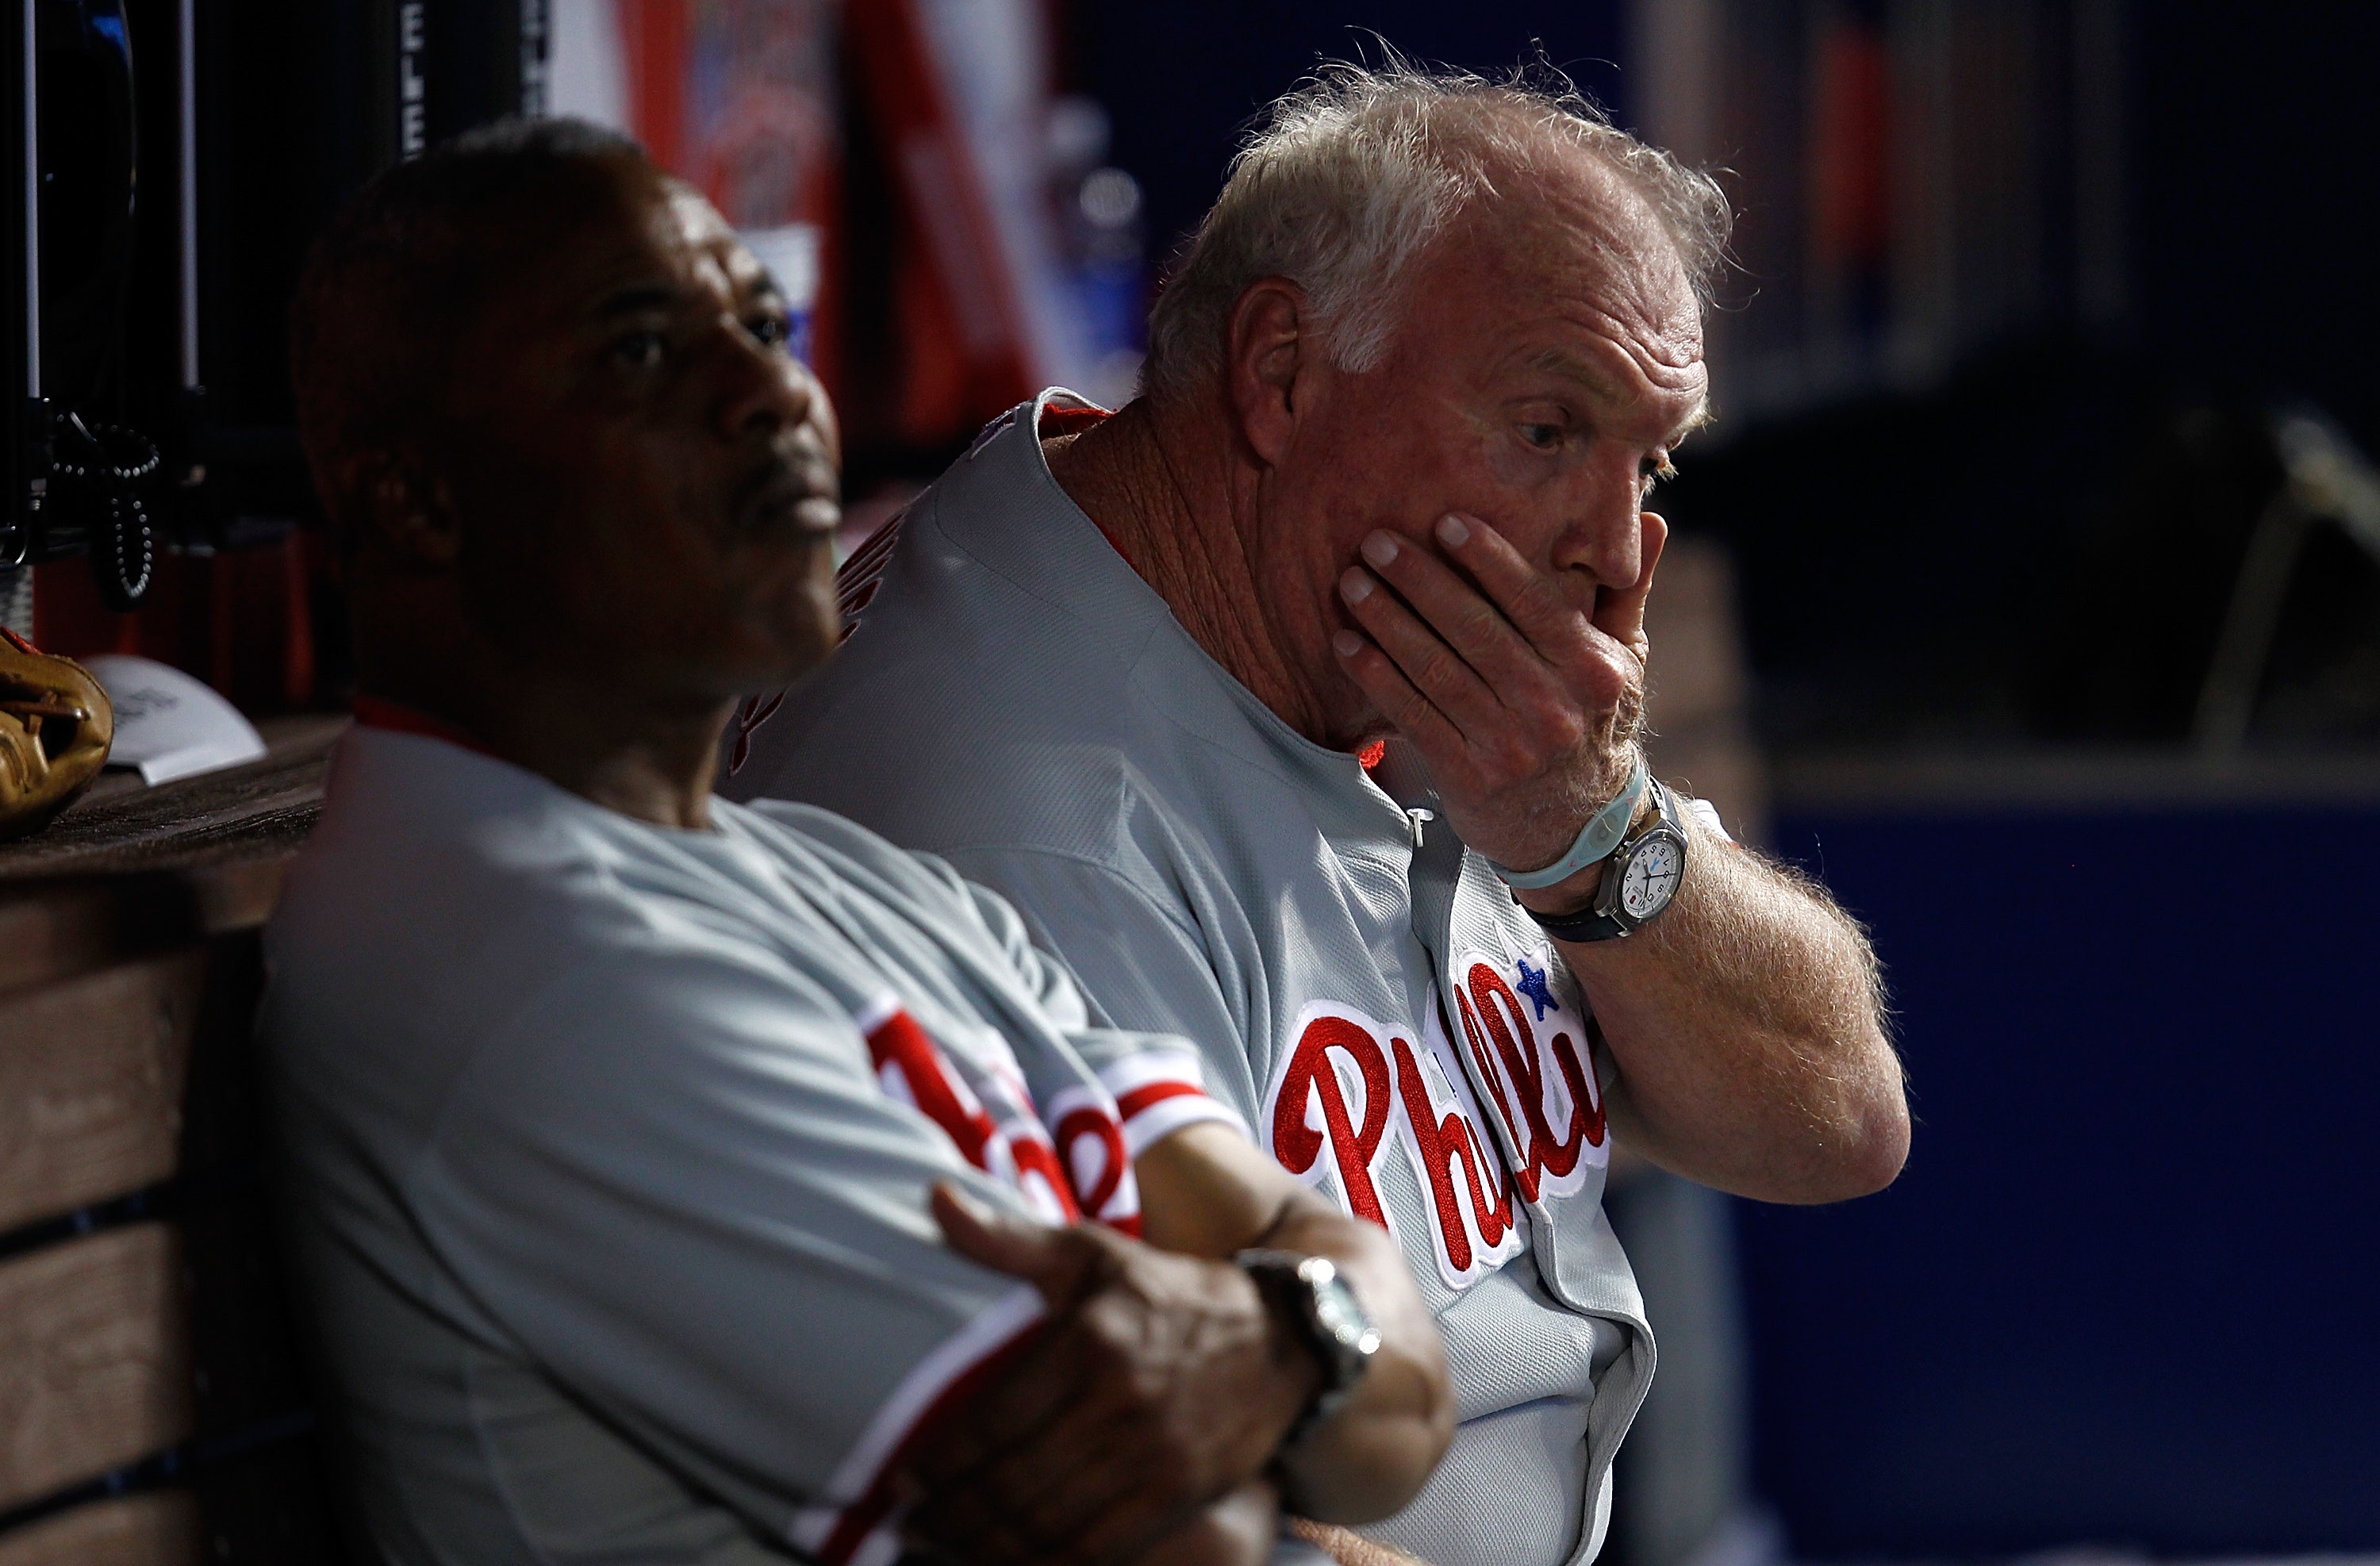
1652	877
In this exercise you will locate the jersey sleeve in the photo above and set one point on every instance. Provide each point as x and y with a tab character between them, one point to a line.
1158	1079
675	1184
1162	1035
1706	815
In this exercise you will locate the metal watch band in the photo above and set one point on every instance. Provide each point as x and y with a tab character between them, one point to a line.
1595	840
1283	1276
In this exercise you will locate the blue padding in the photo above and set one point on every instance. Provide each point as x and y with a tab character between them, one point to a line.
2129	1289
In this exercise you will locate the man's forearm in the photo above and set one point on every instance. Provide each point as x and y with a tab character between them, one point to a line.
1371	1456
1349	1549
1208	1191
1747	1029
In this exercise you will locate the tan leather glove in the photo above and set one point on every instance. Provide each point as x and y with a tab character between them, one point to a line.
55	726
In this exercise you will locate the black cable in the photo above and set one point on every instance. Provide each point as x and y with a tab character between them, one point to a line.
104	469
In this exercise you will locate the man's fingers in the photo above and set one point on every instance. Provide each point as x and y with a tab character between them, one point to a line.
1544	620
1045	1379
1052	1260
1467	615
1157	1390
1080	1489
1377	675
1435	669
1027	1396
1546	654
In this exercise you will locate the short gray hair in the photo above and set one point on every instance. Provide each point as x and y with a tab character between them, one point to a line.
1352	175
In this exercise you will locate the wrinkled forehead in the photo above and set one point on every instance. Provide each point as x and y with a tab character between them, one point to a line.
1570	224
1566	266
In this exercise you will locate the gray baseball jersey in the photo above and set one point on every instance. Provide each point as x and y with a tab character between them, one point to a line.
609	1149
1016	699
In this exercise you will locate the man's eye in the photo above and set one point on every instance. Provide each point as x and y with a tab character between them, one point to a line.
773	330
1545	437
1653	468
640	350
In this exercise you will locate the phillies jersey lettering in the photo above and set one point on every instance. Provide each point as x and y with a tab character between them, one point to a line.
1087	1140
1536	1074
1471	1199
1333	1091
1073	1165
1351	1087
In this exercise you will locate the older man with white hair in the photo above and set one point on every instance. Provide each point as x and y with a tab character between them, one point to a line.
1296	706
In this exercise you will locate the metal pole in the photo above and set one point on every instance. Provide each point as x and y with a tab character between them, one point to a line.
32	217
2227	702
186	27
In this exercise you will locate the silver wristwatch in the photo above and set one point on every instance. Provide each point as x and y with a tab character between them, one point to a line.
1331	1321
1639	879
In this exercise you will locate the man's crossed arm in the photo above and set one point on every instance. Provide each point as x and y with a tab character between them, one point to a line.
1144	1423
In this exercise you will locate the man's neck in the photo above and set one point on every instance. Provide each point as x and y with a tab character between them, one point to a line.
649	758
1177	501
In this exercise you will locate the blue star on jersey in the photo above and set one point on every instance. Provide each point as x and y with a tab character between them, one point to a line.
1533	985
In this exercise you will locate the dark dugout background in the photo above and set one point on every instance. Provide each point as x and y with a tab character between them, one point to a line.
2123	1296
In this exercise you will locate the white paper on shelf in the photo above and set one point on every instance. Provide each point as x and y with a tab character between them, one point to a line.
167	724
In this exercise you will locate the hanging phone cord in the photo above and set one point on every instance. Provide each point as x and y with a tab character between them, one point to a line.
107	465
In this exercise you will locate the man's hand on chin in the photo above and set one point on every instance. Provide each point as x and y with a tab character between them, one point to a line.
1525	705
1744	1020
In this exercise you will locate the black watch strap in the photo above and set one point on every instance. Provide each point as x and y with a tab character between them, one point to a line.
1601	919
1582	926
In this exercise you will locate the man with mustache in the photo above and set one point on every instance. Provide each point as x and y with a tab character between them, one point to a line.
612	1111
1295	707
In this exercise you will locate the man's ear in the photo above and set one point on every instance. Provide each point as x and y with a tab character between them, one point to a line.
408	517
1267	351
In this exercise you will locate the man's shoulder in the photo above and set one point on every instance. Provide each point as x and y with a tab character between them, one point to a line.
830	853
993	623
441	893
414	828
963	711
995	553
418	833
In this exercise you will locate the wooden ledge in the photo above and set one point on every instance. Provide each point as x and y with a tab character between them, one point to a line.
131	870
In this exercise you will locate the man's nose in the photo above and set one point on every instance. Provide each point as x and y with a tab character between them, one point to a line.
765	389
1603	532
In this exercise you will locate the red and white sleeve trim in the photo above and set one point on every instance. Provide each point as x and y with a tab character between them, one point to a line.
859	1525
1159	1091
877	1013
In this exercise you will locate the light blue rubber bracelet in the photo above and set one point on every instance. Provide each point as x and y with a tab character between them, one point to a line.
1595	840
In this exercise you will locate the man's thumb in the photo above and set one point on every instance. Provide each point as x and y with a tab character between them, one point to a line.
1005	1243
